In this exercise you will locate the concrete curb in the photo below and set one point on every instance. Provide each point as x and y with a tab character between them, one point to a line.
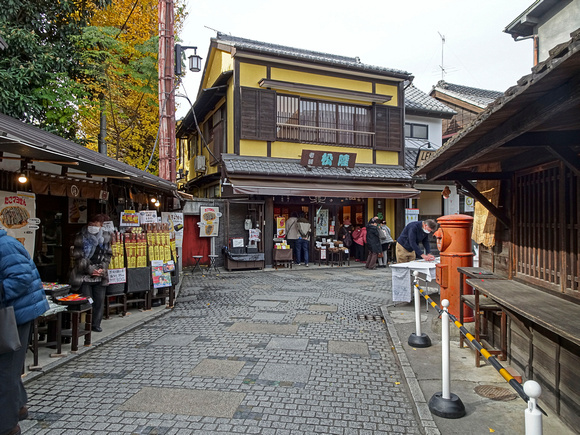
421	406
31	376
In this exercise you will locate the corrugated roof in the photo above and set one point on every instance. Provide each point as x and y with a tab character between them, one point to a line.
267	166
476	96
314	56
418	102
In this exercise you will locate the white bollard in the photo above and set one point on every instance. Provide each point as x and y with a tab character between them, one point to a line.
533	414
418	339
444	403
445	387
417	305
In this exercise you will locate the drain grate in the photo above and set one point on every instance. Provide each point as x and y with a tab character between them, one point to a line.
495	393
371	317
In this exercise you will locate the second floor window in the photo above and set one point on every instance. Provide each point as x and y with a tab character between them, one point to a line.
312	121
416	131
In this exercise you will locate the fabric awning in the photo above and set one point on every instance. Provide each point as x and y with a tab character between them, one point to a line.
333	190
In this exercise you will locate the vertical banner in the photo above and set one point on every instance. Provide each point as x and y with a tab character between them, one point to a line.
18	217
209	221
175	221
322	222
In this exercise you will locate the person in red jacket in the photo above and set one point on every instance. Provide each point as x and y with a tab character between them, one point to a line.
359	237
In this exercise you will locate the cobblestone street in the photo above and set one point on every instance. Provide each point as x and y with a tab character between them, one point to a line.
274	352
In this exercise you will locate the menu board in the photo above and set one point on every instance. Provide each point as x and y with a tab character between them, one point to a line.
160	278
18	217
209	221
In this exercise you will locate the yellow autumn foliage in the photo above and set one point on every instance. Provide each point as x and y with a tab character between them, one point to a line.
121	61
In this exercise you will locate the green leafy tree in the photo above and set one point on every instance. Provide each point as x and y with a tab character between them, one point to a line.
39	69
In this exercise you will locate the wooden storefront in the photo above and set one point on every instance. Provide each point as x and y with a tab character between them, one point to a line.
520	160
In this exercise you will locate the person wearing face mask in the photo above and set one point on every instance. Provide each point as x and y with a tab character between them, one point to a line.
91	256
408	242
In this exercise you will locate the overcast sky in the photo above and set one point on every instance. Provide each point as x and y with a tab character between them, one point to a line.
395	34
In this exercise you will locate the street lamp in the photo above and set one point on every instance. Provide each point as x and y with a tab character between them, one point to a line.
194	59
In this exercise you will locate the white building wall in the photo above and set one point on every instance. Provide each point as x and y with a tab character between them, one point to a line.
435	126
555	27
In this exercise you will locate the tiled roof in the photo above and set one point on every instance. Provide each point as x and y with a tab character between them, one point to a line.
281	50
477	97
418	101
266	166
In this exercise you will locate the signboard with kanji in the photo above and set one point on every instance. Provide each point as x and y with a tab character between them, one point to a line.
327	159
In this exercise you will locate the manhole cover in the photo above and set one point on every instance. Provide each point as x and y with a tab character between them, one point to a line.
495	393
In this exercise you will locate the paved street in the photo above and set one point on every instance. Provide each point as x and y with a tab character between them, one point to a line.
275	352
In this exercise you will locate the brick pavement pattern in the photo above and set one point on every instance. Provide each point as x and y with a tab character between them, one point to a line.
272	352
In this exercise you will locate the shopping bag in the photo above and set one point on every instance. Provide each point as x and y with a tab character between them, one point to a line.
9	339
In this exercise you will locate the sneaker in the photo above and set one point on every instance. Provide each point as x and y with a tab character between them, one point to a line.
306	265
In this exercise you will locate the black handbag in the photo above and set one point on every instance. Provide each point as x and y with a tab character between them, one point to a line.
9	338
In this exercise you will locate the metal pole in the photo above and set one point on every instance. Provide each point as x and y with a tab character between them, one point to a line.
445	389
533	415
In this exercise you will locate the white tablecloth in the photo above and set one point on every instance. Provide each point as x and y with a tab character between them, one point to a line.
402	280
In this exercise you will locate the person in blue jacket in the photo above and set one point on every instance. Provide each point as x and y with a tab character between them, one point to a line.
408	242
22	289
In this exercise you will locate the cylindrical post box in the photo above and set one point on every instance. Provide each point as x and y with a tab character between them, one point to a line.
454	244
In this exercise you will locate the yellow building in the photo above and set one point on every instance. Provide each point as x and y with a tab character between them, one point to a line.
291	130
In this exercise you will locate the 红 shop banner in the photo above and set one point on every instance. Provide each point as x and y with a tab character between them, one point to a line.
18	217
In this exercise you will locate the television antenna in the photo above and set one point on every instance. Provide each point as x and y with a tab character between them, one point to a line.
443	72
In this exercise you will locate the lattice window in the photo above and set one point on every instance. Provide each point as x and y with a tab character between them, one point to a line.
547	234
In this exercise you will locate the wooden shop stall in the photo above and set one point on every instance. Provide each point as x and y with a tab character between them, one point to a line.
49	187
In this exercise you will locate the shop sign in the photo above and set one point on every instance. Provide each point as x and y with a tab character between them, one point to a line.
129	218
117	276
327	159
148	217
175	221
280	227
18	217
422	157
209	222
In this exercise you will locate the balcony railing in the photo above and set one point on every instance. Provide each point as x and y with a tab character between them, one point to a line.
324	135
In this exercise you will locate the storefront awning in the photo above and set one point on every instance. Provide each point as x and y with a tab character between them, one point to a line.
334	190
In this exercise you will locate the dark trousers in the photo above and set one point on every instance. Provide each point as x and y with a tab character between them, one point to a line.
12	392
292	243
97	292
372	260
359	251
302	248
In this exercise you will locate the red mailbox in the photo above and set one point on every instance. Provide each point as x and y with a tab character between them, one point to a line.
454	244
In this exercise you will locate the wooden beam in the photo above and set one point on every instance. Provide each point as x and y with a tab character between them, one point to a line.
568	157
468	175
559	100
545	138
500	215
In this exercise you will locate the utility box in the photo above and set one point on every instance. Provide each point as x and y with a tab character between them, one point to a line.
454	243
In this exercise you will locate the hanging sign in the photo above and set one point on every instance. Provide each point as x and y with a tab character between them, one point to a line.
18	217
175	221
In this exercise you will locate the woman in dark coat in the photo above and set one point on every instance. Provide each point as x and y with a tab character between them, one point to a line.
92	254
373	243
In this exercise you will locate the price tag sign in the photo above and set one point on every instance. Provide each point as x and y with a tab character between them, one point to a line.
117	276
